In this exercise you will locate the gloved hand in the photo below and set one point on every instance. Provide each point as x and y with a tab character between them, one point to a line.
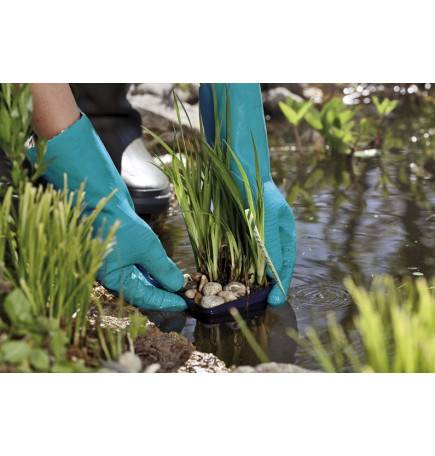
247	124
79	153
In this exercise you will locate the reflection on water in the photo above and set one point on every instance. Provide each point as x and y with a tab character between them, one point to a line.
356	217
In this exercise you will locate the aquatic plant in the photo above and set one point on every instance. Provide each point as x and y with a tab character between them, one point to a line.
224	224
295	112
334	122
384	107
394	326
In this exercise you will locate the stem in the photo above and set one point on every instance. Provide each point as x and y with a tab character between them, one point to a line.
298	138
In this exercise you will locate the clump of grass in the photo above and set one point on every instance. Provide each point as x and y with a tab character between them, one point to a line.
395	326
225	225
51	254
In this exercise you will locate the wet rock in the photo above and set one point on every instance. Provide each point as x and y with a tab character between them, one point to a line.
209	302
196	276
278	368
203	362
211	288
190	294
130	361
237	288
228	296
202	282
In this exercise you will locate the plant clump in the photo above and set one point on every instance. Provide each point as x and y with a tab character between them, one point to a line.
225	224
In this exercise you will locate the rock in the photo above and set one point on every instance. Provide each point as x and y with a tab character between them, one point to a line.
203	362
278	368
228	296
272	97
237	288
209	302
196	276
150	105
192	285
313	93
211	288
190	294
202	282
152	368
130	361
198	297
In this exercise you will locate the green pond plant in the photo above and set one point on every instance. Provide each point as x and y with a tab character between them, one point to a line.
295	111
227	237
337	124
393	330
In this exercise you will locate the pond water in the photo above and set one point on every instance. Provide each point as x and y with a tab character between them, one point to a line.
355	217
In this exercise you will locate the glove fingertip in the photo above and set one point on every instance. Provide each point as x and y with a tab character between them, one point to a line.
276	297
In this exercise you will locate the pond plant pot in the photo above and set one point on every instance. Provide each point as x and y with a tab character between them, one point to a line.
249	306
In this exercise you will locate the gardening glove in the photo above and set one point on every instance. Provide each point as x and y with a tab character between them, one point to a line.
79	153
247	126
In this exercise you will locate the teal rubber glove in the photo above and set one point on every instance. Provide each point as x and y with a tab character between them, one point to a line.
247	123
79	153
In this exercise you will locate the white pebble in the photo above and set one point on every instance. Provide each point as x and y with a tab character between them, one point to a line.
211	288
211	301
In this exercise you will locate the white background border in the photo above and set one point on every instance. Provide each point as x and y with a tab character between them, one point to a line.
190	41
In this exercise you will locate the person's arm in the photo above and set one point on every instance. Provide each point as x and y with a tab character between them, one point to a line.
74	149
54	109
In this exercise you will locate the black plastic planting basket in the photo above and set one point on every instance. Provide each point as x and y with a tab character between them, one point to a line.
248	306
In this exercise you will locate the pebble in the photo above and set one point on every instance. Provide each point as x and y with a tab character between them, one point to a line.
191	285
198	297
228	296
237	288
211	288
190	294
196	276
211	301
202	282
130	361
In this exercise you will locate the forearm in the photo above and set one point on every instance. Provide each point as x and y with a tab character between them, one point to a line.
247	124
54	109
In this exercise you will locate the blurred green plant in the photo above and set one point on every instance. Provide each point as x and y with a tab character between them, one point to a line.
395	326
295	111
384	107
226	237
15	131
334	122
